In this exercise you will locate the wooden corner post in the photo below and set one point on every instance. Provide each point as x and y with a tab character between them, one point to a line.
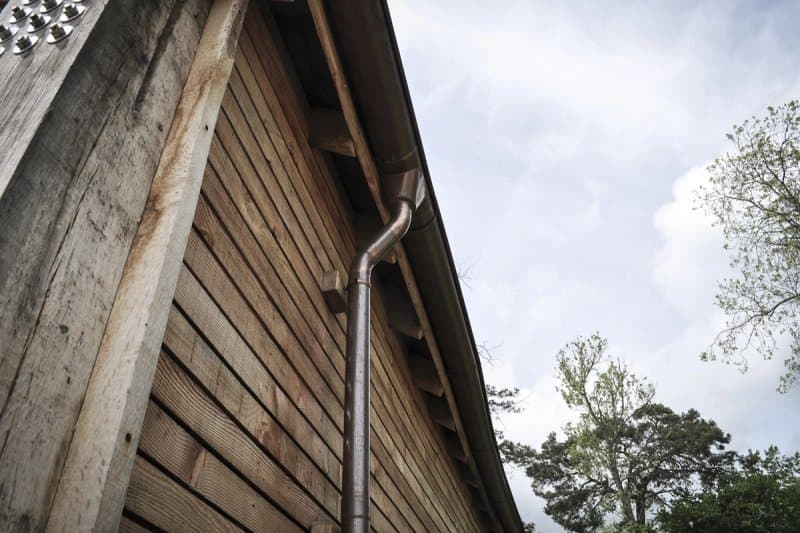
91	490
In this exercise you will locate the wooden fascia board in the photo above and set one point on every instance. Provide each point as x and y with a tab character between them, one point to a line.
91	491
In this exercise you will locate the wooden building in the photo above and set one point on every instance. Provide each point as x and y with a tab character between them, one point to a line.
183	186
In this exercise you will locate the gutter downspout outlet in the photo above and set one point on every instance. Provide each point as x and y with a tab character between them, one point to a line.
405	191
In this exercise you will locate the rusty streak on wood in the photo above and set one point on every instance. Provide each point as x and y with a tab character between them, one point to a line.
91	491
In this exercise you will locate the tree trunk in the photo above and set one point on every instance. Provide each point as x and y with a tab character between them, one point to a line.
640	510
624	495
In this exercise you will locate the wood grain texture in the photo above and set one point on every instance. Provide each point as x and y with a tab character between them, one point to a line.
263	434
126	525
92	487
67	221
168	505
168	444
26	101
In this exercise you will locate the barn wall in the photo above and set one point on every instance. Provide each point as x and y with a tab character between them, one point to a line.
244	424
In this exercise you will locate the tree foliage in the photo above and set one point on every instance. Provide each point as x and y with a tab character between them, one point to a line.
506	400
625	456
503	400
754	195
762	495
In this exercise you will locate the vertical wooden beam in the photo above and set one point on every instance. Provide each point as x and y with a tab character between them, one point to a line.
90	117
30	83
91	492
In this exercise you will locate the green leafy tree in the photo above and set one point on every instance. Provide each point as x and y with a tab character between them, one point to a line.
625	456
762	495
754	195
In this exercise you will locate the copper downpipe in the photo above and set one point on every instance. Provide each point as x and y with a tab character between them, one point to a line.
355	474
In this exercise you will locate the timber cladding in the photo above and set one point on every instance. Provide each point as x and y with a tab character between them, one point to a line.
244	425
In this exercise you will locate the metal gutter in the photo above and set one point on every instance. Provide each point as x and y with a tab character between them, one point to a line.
371	58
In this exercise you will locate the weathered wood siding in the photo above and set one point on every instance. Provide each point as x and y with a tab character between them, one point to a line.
82	128
244	426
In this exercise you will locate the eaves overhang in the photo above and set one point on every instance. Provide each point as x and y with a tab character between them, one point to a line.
371	58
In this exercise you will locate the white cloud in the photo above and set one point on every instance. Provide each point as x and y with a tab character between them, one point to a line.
690	260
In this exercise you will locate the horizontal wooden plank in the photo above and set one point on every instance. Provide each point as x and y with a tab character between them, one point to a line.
243	406
203	258
241	70
235	225
269	376
169	445
178	393
169	506
126	525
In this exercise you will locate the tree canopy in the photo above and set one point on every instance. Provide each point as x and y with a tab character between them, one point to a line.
761	495
754	195
625	456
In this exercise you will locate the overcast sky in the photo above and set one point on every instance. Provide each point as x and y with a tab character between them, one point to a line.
564	140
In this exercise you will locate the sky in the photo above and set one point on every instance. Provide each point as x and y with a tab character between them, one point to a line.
564	141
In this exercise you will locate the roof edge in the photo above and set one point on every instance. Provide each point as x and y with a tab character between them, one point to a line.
381	98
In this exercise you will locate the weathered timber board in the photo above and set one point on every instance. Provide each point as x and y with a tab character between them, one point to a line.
166	504
92	488
169	445
67	219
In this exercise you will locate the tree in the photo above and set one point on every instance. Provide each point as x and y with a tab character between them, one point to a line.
625	455
754	195
761	495
505	401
